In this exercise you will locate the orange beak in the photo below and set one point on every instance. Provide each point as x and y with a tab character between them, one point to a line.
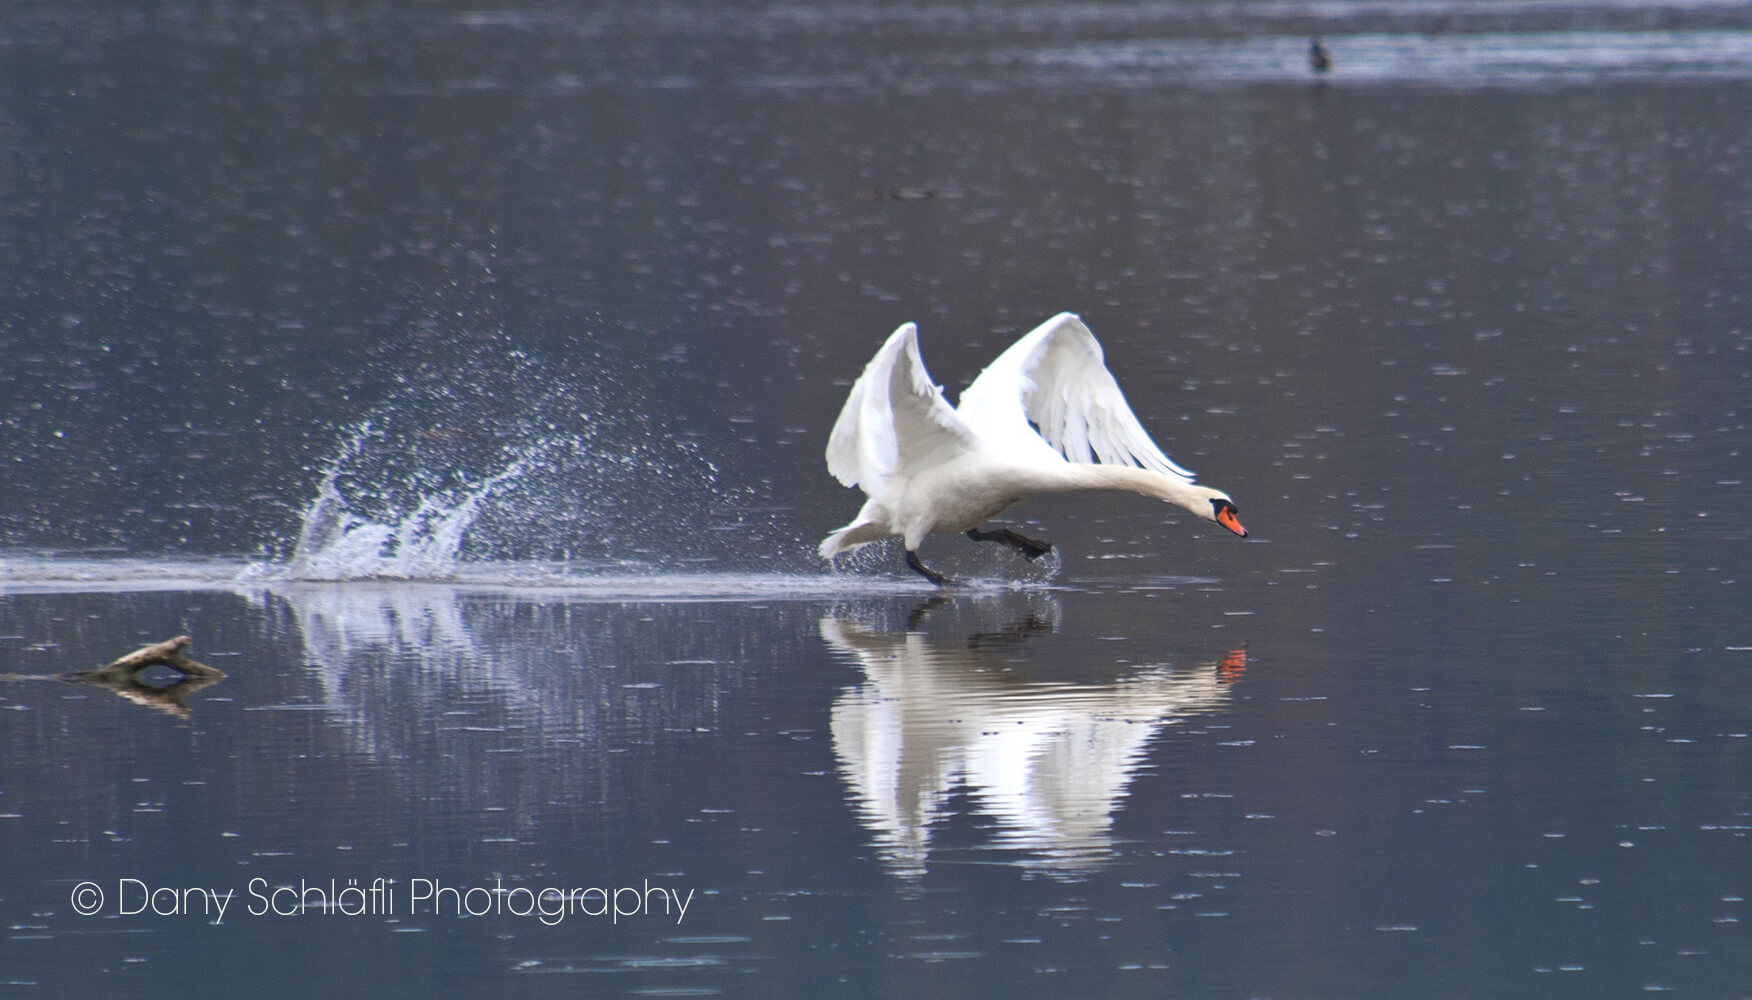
1226	517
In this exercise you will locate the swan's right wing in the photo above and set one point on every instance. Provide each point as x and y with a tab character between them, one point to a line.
894	419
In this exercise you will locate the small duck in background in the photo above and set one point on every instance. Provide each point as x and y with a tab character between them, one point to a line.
1319	60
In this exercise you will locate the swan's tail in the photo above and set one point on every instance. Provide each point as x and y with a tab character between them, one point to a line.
854	535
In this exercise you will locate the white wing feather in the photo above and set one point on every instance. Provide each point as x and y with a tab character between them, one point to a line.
1056	379
894	418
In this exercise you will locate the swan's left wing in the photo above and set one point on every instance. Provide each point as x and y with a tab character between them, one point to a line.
895	419
1057	379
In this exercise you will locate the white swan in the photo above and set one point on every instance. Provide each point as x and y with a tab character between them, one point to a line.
930	467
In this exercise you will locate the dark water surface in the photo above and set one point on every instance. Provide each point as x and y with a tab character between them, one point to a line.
545	314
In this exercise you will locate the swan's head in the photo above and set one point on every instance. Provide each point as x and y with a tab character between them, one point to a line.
1224	513
1215	505
1202	501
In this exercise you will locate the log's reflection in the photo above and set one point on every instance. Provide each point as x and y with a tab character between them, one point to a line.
937	721
169	698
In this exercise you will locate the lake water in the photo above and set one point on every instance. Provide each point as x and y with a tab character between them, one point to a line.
459	380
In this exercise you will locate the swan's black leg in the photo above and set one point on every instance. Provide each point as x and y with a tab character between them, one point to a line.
912	561
1029	547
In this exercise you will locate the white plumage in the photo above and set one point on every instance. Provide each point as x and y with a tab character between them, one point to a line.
1046	416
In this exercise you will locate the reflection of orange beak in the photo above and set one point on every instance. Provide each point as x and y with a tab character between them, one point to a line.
1233	665
1226	517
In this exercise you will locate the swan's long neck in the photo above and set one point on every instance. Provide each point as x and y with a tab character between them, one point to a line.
1078	476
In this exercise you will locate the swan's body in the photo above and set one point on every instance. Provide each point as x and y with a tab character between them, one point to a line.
930	467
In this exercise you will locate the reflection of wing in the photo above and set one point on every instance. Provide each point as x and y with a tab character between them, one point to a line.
1049	762
901	786
1053	766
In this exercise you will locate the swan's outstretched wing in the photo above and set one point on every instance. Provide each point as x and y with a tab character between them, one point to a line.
895	419
1056	379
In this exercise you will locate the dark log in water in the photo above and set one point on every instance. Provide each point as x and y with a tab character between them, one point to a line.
167	653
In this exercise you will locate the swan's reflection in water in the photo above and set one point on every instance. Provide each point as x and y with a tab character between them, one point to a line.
1049	761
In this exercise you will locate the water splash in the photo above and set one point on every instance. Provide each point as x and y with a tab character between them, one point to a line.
970	565
494	457
425	543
